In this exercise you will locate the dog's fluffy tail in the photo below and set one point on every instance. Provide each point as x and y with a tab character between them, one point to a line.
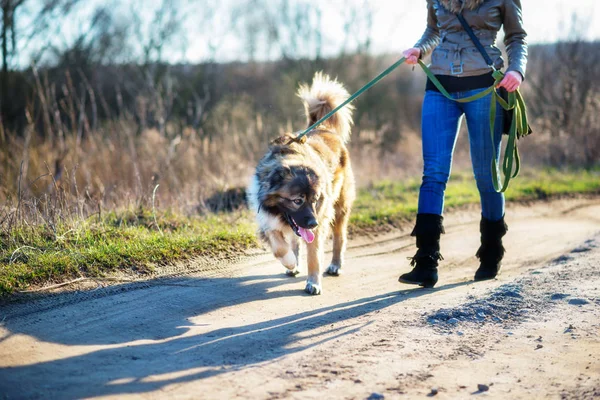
321	97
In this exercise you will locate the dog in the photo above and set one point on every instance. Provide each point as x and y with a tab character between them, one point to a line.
303	188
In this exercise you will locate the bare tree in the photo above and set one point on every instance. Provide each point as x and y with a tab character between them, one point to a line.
13	40
291	27
567	110
40	13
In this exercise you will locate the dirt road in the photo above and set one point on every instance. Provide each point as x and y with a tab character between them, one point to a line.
248	331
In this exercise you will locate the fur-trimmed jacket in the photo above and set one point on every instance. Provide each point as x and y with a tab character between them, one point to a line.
453	51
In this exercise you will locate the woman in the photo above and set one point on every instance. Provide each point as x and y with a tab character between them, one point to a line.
463	71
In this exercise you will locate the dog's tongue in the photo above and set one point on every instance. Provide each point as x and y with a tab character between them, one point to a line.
307	235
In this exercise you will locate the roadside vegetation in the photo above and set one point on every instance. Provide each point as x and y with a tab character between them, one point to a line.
135	242
394	203
130	243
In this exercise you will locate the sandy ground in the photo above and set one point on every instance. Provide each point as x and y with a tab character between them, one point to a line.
246	330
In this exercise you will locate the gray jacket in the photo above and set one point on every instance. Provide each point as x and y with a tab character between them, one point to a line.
453	51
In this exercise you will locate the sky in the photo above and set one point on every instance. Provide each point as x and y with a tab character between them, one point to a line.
397	24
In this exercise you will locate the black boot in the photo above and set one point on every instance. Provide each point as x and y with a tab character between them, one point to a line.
428	229
491	252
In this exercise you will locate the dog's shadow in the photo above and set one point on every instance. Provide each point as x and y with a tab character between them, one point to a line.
156	337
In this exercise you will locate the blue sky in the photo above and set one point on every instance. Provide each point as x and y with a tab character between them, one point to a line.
397	24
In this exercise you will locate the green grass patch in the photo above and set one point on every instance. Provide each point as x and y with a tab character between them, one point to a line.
131	242
128	242
394	203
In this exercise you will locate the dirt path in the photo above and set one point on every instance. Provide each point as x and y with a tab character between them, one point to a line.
248	331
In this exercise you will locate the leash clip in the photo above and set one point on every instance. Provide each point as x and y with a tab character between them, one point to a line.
300	139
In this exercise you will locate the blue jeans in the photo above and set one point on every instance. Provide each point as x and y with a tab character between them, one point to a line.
441	121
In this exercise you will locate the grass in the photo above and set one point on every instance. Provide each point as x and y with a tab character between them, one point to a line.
394	203
127	242
131	242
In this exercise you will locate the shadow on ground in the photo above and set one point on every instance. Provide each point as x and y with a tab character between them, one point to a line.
156	337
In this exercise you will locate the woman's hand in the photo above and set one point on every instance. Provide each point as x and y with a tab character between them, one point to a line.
412	55
511	82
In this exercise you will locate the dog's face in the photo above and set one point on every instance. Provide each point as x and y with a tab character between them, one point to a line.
293	194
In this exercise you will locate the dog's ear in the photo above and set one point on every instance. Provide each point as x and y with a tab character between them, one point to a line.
282	140
278	176
285	145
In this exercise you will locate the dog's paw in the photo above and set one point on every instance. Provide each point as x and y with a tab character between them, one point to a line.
334	270
312	288
289	260
292	272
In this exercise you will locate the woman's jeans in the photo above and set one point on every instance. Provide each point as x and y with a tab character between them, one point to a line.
440	125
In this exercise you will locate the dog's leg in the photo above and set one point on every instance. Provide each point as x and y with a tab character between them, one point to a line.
314	252
282	250
296	251
340	228
340	223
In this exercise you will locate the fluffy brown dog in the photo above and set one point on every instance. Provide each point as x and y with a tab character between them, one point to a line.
301	189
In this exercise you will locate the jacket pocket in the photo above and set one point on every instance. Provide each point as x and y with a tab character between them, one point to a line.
439	57
496	56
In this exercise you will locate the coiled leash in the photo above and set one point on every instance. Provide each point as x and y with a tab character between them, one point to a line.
519	127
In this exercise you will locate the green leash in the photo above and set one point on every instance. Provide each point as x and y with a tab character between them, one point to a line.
519	127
